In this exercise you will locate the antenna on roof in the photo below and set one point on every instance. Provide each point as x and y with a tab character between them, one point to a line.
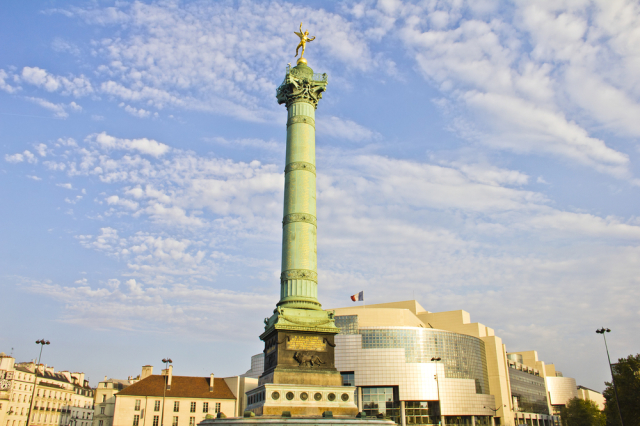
429	325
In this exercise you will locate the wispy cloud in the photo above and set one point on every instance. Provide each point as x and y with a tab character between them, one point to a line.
339	128
59	110
524	80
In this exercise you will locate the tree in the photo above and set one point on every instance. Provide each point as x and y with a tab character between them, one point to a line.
627	375
580	412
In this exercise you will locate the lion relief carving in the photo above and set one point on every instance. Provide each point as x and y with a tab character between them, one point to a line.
307	359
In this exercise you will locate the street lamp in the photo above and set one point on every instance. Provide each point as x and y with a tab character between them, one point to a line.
40	342
615	388
166	361
437	359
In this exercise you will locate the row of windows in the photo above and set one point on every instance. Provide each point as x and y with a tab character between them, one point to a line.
27	388
40	420
156	421
176	406
21	398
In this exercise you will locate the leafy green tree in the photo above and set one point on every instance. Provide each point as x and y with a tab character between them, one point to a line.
580	412
627	375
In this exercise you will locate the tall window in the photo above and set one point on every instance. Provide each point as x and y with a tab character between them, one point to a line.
205	407
348	378
192	421
137	407
382	400
104	398
176	407
217	407
175	421
136	420
156	420
101	423
193	407
101	410
156	406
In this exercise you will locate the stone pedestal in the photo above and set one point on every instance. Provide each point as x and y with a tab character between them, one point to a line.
295	421
302	400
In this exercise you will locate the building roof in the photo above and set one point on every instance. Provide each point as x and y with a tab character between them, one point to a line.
51	385
118	381
181	387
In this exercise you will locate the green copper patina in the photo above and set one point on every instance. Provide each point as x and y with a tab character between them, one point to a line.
298	308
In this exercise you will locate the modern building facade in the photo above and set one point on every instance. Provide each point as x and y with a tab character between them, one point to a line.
420	367
591	395
165	399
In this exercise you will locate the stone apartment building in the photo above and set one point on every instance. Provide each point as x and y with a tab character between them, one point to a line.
60	398
105	399
166	399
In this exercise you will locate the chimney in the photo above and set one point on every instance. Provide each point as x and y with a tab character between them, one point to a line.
147	370
169	373
211	383
105	378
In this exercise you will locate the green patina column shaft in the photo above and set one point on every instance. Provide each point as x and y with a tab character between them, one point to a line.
301	91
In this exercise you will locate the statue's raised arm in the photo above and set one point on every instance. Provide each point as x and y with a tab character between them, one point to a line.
304	38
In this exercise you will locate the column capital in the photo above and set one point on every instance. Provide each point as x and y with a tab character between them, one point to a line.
301	84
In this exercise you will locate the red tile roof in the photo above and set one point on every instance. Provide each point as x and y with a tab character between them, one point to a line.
181	387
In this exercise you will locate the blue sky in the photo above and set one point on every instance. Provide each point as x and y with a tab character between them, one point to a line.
472	155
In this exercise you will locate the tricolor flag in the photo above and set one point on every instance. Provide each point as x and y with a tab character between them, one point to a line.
358	297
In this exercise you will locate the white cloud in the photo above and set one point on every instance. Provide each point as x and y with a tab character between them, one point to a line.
115	200
59	110
345	129
248	143
195	58
523	127
143	145
524	84
6	86
20	157
36	178
76	86
65	185
181	308
60	45
137	112
41	149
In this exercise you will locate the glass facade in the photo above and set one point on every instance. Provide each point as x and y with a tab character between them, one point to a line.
529	390
463	356
348	324
422	412
382	400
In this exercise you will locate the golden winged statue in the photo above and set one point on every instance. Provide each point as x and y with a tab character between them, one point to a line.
304	38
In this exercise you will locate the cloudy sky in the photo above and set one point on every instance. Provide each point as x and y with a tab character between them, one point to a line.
477	155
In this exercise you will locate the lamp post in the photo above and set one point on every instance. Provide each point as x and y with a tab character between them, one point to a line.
166	361
438	359
615	388
495	412
40	342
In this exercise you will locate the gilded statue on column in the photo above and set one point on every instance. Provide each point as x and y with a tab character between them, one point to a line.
304	38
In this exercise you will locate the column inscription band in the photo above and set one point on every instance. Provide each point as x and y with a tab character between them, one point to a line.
301	119
299	274
300	217
300	165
